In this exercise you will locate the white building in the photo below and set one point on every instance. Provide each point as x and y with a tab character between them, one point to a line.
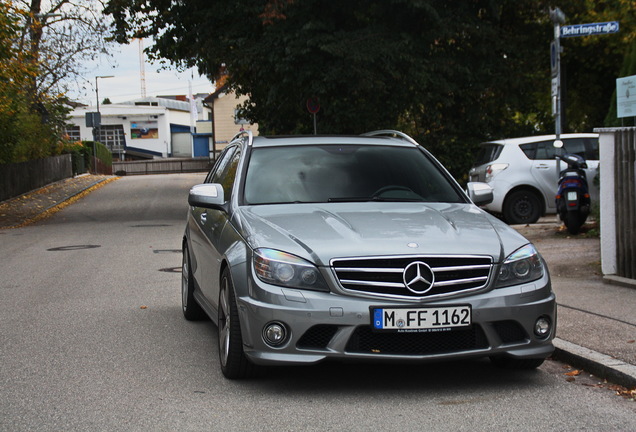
147	128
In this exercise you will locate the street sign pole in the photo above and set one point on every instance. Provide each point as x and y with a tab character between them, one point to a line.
313	106
558	17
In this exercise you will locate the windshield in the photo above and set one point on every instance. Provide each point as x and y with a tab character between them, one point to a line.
340	173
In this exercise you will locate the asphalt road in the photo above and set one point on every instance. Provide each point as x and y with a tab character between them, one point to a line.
92	339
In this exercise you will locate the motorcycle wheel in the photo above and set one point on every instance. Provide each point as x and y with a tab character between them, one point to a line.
573	222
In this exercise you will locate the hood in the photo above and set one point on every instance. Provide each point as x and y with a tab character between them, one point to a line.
321	232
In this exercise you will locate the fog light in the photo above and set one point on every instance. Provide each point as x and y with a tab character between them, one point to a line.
542	327
274	334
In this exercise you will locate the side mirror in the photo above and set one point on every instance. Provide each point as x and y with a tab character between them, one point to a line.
480	193
207	195
558	144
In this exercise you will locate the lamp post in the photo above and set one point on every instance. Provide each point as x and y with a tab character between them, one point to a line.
98	120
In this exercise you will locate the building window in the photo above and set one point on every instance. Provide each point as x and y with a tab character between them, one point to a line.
112	136
73	133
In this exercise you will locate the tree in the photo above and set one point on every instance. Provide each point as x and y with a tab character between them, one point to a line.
60	36
46	45
450	73
591	64
15	75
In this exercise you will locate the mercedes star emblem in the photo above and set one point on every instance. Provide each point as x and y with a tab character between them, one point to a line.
418	277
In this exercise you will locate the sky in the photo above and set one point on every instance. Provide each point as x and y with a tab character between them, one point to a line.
126	82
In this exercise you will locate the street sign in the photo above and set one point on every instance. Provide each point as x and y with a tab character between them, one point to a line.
589	29
554	60
93	119
313	106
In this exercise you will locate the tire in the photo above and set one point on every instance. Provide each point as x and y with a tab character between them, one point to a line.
522	207
192	311
573	222
234	362
516	364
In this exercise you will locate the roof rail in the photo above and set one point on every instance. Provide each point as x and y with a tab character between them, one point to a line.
391	133
247	133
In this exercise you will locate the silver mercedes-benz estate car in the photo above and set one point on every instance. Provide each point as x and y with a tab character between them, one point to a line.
305	249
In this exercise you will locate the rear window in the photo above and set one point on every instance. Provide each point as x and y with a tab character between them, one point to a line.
488	153
328	173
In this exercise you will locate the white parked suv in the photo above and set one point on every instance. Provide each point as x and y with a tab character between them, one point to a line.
523	173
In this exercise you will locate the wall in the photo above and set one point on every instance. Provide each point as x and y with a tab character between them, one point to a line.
225	127
618	201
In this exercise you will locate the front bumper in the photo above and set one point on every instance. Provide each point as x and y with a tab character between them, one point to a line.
325	326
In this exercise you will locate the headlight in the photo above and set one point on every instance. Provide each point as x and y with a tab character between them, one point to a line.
280	268
523	265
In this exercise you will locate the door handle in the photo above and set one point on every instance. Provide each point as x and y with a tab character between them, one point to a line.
542	166
204	218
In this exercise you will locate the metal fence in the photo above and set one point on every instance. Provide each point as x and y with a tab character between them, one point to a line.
625	197
18	178
162	166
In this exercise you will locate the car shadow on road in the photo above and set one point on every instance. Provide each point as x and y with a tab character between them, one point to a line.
385	378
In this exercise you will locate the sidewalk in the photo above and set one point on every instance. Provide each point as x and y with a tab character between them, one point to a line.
596	328
41	203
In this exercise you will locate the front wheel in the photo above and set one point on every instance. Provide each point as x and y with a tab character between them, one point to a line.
234	363
191	309
522	207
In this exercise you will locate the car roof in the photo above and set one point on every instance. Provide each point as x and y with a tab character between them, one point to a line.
530	139
279	141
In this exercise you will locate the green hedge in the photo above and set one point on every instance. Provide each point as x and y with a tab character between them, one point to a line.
82	153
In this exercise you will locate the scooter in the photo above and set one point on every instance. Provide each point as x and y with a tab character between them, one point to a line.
573	196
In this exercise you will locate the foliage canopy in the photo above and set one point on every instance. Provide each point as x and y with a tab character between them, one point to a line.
43	46
449	73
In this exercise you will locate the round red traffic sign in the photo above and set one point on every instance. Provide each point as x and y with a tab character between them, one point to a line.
313	106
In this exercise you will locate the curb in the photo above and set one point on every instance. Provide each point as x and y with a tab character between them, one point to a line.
598	364
619	281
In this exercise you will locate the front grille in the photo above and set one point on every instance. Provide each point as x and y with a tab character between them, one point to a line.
510	331
365	340
317	337
384	276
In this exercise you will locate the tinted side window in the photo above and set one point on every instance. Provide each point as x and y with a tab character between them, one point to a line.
224	172
488	153
575	146
545	150
530	150
220	162
591	148
227	181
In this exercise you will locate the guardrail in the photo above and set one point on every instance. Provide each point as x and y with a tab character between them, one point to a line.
162	166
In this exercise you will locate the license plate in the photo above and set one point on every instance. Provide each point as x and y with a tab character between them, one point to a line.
421	319
572	196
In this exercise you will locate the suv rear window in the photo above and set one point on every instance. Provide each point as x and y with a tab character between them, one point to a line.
488	153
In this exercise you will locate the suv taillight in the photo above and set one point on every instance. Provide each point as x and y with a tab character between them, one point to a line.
494	169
